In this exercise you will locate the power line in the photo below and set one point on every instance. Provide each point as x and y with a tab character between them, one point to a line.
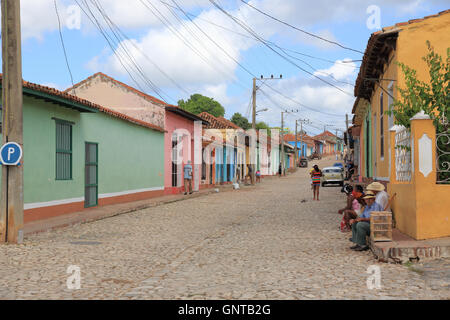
186	42
300	104
62	43
301	30
223	50
121	46
124	36
269	42
252	32
109	41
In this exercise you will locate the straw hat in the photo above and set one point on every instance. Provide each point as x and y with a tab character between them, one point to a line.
375	186
369	195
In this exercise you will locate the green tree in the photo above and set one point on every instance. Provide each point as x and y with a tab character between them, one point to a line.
433	97
241	121
198	103
262	125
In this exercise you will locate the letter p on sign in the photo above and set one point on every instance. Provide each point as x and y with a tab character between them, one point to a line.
10	152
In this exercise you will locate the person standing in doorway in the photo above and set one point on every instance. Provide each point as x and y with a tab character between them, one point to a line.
316	174
249	174
188	178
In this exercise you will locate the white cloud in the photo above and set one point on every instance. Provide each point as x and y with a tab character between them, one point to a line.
341	70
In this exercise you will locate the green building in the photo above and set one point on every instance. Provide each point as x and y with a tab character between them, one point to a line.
79	155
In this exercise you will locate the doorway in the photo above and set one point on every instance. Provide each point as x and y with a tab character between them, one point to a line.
91	175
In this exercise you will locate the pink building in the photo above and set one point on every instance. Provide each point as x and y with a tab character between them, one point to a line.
179	149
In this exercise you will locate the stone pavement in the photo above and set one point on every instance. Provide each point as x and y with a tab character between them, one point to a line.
98	213
270	241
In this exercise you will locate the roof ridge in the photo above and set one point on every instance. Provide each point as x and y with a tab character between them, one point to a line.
143	94
411	21
73	98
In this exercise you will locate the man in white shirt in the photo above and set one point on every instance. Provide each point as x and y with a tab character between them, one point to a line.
381	196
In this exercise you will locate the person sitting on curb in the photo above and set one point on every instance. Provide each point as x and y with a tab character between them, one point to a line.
258	176
361	225
381	196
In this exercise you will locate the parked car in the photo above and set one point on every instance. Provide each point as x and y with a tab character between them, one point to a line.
339	164
332	175
315	155
303	162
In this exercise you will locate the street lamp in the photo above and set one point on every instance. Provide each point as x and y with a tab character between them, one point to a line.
262	110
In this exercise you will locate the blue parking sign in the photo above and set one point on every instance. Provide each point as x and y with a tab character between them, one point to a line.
11	154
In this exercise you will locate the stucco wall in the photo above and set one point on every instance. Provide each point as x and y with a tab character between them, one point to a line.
110	94
421	205
130	156
174	122
410	49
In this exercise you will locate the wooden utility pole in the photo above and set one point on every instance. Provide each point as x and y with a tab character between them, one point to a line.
255	88
11	211
306	121
253	166
283	160
296	147
254	104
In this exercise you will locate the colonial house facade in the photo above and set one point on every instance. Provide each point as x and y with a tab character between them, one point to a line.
78	155
406	160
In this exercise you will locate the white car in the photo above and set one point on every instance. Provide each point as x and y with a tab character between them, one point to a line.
333	175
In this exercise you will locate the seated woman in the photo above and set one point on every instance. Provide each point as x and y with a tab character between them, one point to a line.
357	203
351	196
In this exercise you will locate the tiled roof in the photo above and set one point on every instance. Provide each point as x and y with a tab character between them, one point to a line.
305	138
229	123
376	52
217	123
142	94
67	96
327	135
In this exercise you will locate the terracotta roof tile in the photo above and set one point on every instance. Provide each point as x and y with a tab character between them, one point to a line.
65	95
217	123
361	89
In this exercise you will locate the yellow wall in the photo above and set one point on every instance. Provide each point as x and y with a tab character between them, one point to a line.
382	163
421	208
411	43
410	49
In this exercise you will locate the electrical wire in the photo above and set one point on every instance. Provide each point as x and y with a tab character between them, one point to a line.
124	36
120	44
301	30
62	43
252	32
269	42
157	13
118	55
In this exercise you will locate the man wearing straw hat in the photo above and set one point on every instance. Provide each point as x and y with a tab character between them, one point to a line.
361	225
381	196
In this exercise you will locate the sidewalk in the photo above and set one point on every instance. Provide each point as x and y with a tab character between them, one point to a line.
404	248
104	212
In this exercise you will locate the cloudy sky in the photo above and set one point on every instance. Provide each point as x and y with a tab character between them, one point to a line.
174	48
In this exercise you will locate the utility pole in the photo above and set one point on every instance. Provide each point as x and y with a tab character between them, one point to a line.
302	121
11	208
283	158
296	147
255	88
347	140
254	104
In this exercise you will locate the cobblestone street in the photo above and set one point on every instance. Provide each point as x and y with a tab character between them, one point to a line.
265	242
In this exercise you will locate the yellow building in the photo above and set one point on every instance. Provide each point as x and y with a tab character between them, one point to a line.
376	89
